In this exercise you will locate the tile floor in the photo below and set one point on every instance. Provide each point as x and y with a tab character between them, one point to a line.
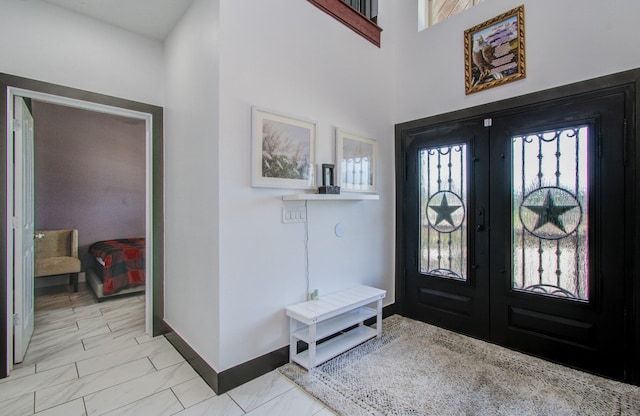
89	358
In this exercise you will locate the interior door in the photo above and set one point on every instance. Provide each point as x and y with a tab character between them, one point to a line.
516	229
446	256
23	229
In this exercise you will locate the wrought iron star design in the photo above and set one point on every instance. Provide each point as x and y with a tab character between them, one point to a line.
444	211
550	213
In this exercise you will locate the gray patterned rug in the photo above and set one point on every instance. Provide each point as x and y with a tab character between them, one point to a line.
419	369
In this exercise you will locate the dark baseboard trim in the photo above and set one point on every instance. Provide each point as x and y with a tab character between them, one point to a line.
233	377
228	379
247	371
207	373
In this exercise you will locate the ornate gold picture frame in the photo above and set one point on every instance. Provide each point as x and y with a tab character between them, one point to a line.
494	51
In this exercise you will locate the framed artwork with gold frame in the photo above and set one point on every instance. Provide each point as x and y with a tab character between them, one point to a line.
494	51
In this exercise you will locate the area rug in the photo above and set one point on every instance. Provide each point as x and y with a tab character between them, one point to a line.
418	369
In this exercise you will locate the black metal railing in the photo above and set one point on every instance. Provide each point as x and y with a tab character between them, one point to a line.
369	8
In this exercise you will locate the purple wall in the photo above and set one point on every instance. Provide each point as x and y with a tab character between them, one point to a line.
89	174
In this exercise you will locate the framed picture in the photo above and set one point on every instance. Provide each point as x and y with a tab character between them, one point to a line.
494	51
357	162
283	150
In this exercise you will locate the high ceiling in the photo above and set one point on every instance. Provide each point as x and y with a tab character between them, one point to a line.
151	18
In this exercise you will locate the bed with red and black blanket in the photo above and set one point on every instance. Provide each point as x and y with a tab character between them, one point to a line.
120	266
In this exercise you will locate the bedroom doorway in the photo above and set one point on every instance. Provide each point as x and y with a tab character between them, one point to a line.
152	120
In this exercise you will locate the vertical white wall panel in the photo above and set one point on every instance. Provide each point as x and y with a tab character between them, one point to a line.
192	242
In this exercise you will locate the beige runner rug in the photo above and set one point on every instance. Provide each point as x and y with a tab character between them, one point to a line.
419	369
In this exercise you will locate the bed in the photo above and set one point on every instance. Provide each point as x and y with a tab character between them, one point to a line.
119	267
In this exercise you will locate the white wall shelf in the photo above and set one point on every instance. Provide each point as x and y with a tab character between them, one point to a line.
331	197
314	320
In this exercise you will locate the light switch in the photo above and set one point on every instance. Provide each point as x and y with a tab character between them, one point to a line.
296	214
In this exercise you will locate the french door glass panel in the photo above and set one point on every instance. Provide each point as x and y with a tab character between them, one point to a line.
549	213
443	206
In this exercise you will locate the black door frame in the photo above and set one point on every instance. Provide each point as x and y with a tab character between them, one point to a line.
157	161
631	78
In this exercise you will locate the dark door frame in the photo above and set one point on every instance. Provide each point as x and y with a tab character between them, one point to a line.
157	190
630	78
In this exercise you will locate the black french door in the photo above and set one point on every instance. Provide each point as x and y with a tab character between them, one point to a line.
515	229
447	257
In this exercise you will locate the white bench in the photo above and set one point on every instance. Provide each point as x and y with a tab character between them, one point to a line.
315	320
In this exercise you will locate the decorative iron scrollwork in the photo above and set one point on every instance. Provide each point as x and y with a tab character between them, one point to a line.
443	189
550	230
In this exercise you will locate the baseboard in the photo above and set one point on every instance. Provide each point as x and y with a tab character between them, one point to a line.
201	367
226	380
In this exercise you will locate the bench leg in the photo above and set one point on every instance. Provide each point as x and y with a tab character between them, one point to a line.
73	280
312	347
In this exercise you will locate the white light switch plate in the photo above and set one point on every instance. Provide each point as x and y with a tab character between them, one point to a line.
294	214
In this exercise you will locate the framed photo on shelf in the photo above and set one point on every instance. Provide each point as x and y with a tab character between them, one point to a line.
356	162
494	51
283	150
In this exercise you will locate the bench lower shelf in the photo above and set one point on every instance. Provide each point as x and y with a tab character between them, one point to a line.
336	324
336	346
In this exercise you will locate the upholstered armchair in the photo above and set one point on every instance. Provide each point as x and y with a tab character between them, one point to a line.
56	253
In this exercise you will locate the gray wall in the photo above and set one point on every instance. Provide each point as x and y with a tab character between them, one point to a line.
89	174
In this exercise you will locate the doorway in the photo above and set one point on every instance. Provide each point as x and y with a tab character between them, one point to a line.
152	117
515	228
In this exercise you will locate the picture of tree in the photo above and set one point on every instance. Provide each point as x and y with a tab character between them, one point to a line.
285	150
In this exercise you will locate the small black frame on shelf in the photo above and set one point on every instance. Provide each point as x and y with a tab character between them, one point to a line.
328	186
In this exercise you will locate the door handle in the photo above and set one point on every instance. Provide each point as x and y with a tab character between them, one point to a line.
38	236
480	219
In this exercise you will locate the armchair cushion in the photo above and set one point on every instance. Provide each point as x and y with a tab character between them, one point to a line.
57	265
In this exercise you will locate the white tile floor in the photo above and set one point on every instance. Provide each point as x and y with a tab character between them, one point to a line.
89	358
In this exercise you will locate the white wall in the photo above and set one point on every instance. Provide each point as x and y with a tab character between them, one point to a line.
44	42
290	57
192	180
231	266
566	41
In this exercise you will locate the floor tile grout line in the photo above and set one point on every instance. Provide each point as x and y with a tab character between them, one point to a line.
31	389
234	400
138	399
83	397
268	401
178	399
129	360
84	404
